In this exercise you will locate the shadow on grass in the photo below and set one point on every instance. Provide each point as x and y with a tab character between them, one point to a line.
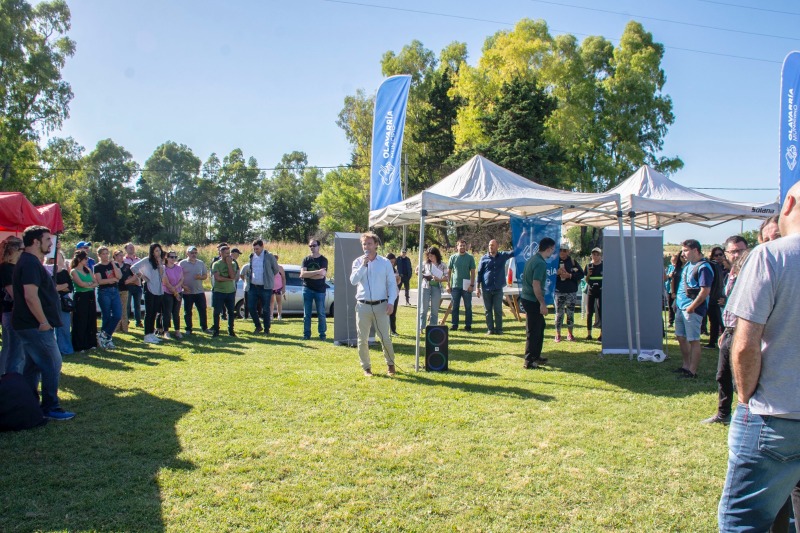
419	378
97	472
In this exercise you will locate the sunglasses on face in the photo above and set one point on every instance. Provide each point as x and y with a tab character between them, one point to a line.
172	256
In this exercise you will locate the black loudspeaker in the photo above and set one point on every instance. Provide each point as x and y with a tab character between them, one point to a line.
436	351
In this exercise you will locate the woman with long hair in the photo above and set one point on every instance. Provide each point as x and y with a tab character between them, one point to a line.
151	270
107	274
433	274
64	286
11	355
84	316
172	285
673	280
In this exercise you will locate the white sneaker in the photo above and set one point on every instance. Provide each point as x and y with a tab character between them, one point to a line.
167	336
110	345
152	339
280	317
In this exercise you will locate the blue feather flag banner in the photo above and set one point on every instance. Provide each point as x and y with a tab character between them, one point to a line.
526	234
387	141
789	146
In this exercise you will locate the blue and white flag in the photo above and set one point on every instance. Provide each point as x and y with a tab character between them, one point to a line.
387	141
526	234
789	146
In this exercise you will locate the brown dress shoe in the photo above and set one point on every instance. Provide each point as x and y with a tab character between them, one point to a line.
391	371
368	373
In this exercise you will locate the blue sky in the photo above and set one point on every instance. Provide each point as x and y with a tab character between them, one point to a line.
270	77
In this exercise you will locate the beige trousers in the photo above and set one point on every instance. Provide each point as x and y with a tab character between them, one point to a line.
373	315
123	323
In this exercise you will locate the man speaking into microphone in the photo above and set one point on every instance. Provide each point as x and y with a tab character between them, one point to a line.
373	276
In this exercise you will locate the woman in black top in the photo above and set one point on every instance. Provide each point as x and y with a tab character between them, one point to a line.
674	279
124	280
63	286
11	355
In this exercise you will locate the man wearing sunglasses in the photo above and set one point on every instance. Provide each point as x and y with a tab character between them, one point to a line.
313	272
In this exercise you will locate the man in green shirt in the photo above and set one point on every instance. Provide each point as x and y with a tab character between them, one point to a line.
462	283
534	279
225	272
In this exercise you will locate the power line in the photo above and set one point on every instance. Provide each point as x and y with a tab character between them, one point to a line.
142	170
691	24
504	23
750	7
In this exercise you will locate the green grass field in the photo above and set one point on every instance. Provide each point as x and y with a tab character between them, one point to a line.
255	434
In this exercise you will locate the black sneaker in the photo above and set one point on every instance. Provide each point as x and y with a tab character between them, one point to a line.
258	330
540	360
231	333
453	328
468	330
679	370
215	333
687	375
717	419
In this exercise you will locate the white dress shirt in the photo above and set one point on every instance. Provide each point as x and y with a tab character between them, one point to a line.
375	281
258	269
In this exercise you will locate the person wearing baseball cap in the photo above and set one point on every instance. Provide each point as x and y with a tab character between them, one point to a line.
594	279
568	276
86	247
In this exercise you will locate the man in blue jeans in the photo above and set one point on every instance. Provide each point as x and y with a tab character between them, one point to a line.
35	314
764	438
313	272
261	276
492	278
462	283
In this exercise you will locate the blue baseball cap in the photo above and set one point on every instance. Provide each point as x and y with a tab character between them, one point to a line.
83	244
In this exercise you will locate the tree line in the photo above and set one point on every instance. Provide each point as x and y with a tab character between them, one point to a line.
575	115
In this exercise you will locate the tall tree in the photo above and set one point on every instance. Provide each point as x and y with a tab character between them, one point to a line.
344	201
60	179
105	206
241	198
206	197
171	173
33	97
515	128
611	114
292	212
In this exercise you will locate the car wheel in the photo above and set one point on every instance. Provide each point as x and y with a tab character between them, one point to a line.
239	309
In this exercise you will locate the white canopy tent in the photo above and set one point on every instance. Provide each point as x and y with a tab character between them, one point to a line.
482	193
656	201
652	200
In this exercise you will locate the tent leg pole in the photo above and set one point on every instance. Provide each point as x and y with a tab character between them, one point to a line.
634	262
625	280
418	327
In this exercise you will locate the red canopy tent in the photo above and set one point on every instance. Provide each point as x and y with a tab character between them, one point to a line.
17	213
